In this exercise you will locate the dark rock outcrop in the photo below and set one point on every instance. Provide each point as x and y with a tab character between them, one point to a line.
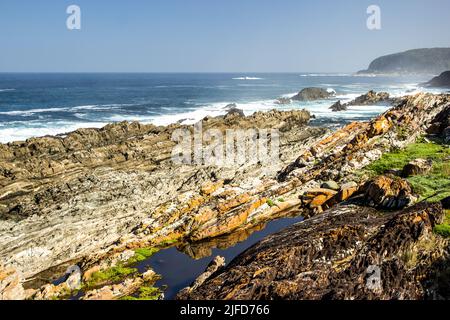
441	81
348	252
233	112
446	203
370	98
310	94
417	167
338	106
417	61
440	125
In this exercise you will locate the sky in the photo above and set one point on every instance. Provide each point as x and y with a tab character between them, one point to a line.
213	35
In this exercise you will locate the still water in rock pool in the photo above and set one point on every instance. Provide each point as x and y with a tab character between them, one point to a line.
179	267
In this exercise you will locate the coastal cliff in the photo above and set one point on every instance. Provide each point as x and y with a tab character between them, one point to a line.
98	197
417	61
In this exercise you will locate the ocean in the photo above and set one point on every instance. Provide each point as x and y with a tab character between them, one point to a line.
35	104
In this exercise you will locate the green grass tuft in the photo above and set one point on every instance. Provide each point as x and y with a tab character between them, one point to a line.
146	293
142	254
444	228
270	203
113	274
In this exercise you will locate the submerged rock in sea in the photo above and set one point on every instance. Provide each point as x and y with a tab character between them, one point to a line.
371	98
309	94
338	106
283	101
337	255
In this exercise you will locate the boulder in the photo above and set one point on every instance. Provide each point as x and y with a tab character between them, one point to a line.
330	185
316	198
346	191
389	193
310	94
417	167
446	203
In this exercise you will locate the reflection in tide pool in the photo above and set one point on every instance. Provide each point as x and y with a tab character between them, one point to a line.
180	267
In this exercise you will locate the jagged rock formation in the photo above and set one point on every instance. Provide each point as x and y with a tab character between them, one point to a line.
338	106
309	94
417	61
388	193
348	252
96	193
369	99
65	198
440	125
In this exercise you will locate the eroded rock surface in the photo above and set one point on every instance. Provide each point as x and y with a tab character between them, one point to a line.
310	94
96	193
64	198
335	256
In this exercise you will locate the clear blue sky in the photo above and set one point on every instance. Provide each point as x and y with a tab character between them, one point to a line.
213	35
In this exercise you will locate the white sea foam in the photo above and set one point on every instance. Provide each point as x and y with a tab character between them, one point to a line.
247	78
20	133
193	111
31	111
6	90
64	109
326	75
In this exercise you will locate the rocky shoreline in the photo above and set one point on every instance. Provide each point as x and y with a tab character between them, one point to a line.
96	197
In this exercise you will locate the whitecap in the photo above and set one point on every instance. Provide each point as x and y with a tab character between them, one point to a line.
247	78
325	75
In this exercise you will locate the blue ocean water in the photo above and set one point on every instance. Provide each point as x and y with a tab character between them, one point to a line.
46	104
